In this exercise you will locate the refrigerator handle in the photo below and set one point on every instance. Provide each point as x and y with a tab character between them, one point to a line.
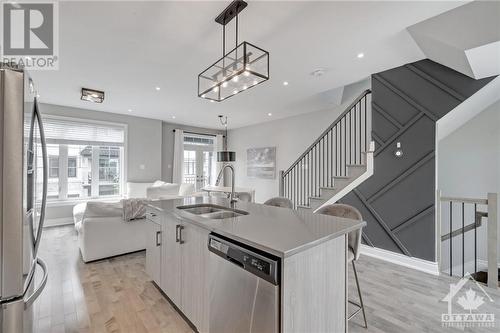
36	243
29	301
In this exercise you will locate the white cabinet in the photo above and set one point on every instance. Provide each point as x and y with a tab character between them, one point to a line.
194	267
184	269
153	250
171	260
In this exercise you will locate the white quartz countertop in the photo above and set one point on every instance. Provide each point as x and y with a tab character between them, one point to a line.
280	231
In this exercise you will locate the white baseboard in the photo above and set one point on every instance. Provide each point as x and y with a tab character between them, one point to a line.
400	259
58	221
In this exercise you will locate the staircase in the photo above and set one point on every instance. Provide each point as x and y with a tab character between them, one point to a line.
336	163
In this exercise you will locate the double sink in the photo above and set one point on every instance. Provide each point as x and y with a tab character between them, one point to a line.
213	212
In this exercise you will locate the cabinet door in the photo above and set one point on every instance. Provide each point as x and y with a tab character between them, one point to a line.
194	266
171	261
153	251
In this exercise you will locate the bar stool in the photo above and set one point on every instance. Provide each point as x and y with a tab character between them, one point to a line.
354	241
279	202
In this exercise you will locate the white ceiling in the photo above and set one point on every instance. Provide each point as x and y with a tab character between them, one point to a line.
129	48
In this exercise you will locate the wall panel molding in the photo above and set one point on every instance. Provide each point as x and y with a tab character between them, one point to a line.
398	200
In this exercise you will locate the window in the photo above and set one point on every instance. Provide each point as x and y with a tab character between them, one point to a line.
72	167
199	159
92	154
53	166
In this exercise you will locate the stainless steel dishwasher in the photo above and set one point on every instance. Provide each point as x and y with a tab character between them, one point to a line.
244	288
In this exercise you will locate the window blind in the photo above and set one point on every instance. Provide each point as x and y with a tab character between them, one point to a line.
64	131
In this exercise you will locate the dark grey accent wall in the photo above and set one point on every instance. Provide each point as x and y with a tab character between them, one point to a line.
398	200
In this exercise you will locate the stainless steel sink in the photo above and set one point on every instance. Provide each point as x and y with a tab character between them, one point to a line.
212	212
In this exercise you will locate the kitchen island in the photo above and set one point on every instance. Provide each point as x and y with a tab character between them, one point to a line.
308	250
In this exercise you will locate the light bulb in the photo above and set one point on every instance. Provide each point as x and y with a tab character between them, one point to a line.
235	92
245	87
203	96
235	79
211	101
224	84
216	89
246	73
255	82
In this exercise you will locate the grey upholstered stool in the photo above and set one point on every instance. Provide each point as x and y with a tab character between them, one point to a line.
354	241
279	202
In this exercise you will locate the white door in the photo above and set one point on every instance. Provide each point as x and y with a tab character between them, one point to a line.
198	164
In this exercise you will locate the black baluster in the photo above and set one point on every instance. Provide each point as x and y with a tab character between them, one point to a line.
451	238
475	239
463	239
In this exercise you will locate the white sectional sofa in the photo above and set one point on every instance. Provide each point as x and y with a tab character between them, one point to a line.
103	233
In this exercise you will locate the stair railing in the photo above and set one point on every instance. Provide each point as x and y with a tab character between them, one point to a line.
343	143
491	215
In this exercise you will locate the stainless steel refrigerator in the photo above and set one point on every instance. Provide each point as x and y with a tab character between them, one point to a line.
23	195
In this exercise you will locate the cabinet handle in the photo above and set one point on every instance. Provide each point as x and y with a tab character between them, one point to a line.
181	241
177	233
158	241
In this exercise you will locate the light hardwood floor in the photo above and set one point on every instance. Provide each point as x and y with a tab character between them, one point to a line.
115	295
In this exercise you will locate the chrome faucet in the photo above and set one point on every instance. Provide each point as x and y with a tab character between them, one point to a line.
219	177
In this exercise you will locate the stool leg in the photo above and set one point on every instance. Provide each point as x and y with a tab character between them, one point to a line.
359	293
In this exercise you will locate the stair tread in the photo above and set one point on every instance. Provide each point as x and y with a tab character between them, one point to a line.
316	198
301	206
356	165
341	177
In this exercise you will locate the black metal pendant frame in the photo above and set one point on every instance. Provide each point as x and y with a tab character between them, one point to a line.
224	18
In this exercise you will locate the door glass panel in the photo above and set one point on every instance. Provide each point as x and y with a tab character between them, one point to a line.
190	167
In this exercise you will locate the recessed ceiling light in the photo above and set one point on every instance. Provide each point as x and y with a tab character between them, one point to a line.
318	72
269	114
173	117
157	88
361	55
285	83
129	110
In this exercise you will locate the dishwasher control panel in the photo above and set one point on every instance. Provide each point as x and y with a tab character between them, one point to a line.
264	265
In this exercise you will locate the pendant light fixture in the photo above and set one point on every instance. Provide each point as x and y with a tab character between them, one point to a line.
238	70
225	155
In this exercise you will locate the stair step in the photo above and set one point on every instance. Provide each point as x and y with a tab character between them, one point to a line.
354	171
301	207
315	203
341	182
327	192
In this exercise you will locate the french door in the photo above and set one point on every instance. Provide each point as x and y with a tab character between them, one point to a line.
198	167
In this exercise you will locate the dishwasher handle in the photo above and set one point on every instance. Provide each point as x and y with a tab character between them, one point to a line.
236	262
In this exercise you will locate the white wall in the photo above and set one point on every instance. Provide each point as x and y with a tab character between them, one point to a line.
291	137
469	166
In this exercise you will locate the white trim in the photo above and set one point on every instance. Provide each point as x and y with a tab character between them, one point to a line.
58	222
400	259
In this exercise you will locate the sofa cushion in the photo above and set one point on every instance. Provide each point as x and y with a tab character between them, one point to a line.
78	211
158	183
164	190
186	189
137	190
103	209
